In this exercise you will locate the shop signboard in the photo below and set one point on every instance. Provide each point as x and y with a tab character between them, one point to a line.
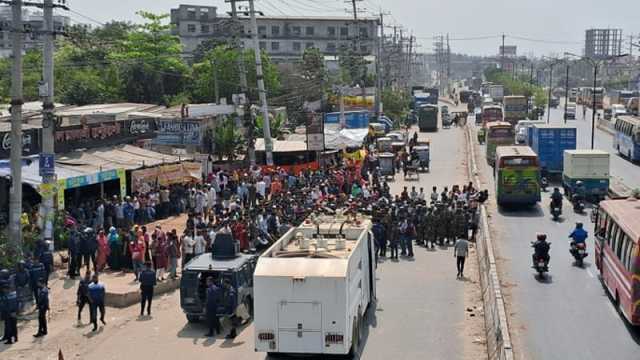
315	132
30	143
177	132
90	179
47	165
110	133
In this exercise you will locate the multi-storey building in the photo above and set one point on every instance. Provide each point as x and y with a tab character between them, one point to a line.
33	23
603	43
284	38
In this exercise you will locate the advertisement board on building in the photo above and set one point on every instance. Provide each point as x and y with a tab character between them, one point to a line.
315	132
178	132
86	136
30	143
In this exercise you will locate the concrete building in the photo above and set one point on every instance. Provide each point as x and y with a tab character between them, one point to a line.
33	21
603	43
283	38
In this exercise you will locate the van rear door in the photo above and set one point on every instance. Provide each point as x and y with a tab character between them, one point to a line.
300	327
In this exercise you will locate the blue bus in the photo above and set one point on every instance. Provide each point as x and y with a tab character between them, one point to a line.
627	137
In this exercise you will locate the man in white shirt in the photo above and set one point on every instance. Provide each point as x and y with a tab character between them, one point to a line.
261	188
187	248
199	244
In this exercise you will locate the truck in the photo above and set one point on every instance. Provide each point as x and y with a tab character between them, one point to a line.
224	264
353	119
550	142
314	286
434	94
428	118
419	98
496	92
591	167
515	108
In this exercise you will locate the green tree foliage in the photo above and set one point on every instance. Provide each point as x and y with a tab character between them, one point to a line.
395	104
223	60
516	86
227	139
276	125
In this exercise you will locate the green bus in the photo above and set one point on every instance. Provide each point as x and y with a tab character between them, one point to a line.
428	118
517	175
499	133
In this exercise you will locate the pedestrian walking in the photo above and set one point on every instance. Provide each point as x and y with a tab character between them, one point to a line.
213	293
43	308
187	248
82	295
173	252
147	284
96	292
460	252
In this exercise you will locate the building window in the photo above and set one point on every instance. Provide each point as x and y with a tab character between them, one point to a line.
364	49
262	30
204	14
191	28
296	46
344	31
295	31
331	31
331	47
275	46
309	31
263	45
309	45
364	32
204	28
275	30
191	14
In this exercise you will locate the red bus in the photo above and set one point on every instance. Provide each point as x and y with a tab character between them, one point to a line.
491	113
617	232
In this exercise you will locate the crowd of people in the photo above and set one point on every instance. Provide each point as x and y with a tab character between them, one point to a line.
254	205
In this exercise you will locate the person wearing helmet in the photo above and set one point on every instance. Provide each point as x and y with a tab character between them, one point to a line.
579	234
579	194
556	198
541	248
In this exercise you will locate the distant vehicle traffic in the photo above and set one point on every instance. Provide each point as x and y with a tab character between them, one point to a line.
517	175
515	109
313	288
491	113
587	97
627	137
428	118
499	133
523	130
571	111
617	232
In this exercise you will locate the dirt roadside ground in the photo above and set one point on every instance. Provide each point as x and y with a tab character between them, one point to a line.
65	333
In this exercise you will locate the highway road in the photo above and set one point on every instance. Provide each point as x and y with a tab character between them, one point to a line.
568	315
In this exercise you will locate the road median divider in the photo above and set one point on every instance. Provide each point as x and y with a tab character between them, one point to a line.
499	345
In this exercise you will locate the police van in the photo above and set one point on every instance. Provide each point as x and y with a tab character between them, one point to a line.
225	263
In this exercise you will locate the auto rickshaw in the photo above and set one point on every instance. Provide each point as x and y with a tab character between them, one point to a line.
384	144
446	120
387	165
423	152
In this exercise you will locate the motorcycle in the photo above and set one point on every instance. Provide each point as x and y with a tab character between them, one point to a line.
578	206
544	183
539	263
555	212
579	252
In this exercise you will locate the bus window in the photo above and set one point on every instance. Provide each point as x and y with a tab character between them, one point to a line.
625	251
619	241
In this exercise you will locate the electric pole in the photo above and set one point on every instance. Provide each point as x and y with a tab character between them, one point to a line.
448	66
379	77
566	94
248	119
15	193
502	54
268	145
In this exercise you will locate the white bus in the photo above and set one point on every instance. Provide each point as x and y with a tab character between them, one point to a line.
313	287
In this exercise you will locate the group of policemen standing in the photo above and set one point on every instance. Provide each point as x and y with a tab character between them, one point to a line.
448	216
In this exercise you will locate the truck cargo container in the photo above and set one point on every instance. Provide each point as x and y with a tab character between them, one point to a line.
313	288
515	108
496	92
589	166
550	142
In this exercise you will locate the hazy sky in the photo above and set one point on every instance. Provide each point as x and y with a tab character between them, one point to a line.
556	20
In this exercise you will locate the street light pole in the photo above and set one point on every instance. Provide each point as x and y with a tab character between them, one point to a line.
593	103
550	86
566	94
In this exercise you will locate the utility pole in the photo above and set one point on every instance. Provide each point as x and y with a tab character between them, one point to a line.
15	193
502	54
216	89
448	66
248	119
550	86
379	70
566	94
268	145
48	122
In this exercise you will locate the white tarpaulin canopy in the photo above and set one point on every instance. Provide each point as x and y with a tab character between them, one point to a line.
344	138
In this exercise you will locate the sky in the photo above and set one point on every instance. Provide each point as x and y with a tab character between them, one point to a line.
474	26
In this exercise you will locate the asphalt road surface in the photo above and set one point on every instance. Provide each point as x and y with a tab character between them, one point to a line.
568	315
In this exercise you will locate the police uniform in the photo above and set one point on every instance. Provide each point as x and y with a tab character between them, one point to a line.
147	283
9	312
211	309
43	307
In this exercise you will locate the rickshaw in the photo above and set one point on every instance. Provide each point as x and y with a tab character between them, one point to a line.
423	152
397	136
397	146
460	117
446	120
384	144
387	165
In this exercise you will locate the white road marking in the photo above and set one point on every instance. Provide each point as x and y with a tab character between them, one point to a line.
590	273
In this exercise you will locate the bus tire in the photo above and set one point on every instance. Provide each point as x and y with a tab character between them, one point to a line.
617	304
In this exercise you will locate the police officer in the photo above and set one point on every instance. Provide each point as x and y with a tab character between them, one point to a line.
9	312
147	283
231	301
36	273
43	306
213	293
459	222
22	283
96	292
44	254
82	298
428	225
74	253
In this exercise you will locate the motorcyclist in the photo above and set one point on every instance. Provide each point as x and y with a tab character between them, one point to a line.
578	235
578	195
541	249
556	199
